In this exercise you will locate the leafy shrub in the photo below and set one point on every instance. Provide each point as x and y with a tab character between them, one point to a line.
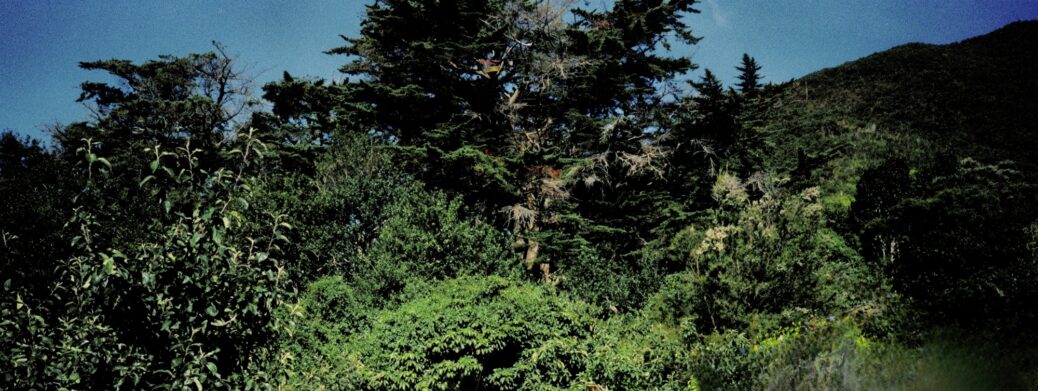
760	256
813	354
475	332
619	284
186	305
460	333
309	351
428	237
632	352
726	361
339	209
680	298
377	226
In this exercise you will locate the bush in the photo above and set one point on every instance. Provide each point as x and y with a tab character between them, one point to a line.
310	351
378	227
620	284
760	256
475	332
339	209
428	237
632	352
459	334
726	361
188	304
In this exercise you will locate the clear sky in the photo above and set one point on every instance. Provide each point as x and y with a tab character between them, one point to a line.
41	41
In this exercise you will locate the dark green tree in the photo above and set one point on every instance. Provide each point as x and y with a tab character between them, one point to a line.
749	78
716	111
952	236
192	103
516	109
165	102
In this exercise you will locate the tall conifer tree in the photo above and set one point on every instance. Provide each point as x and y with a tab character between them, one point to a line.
552	121
749	78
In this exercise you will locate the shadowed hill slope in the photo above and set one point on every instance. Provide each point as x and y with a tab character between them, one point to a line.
977	98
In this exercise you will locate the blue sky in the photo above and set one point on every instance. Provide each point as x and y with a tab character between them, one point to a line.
42	41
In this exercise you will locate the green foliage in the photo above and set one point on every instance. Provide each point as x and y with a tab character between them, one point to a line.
502	335
955	259
339	207
617	284
309	351
430	238
484	332
749	79
360	217
510	194
679	300
634	353
726	361
461	333
760	256
185	305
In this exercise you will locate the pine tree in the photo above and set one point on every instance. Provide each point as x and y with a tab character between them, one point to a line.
749	78
160	102
717	121
703	130
507	103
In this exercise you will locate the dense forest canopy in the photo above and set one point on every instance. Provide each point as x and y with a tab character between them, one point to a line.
530	194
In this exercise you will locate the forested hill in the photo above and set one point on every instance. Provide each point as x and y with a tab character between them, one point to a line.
516	195
975	97
934	144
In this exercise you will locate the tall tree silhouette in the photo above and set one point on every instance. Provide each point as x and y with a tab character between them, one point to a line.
749	78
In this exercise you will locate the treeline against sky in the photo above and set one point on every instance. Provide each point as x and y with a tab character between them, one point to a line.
520	194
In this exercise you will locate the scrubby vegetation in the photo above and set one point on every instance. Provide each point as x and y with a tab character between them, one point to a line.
525	195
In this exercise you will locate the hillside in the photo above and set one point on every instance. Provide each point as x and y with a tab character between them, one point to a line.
929	147
972	98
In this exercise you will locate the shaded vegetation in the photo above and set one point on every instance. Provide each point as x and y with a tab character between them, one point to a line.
522	195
